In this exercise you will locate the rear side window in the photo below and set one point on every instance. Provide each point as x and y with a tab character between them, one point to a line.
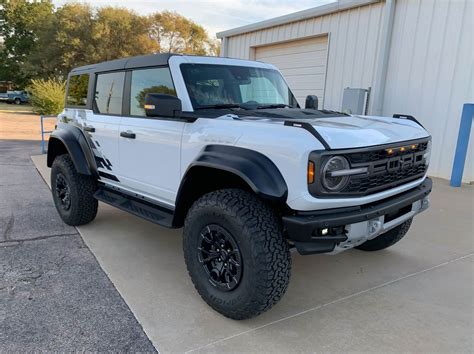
109	93
77	90
156	80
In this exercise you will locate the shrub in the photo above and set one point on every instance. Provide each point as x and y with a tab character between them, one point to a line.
47	96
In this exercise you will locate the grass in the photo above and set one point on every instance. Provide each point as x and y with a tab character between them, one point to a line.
15	108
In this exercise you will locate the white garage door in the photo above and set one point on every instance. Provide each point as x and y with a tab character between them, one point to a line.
302	62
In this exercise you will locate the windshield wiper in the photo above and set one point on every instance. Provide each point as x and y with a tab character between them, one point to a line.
219	106
275	105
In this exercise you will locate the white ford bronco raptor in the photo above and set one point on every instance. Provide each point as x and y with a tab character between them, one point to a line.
221	147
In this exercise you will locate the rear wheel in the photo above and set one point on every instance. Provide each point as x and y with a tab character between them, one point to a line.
235	253
73	193
17	101
387	239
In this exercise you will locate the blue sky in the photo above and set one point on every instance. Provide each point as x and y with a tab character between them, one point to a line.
215	15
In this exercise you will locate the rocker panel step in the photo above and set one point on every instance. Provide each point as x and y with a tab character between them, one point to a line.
144	209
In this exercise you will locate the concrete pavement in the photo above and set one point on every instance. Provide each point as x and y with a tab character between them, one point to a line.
416	296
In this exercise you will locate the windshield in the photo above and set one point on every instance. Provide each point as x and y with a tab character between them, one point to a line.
222	86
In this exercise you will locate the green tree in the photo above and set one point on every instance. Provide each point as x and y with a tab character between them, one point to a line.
119	32
177	34
21	22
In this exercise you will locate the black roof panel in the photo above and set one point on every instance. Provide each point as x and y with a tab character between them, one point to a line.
125	63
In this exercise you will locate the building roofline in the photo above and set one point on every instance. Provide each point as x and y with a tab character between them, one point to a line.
327	9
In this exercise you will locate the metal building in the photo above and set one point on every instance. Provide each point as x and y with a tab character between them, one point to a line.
415	55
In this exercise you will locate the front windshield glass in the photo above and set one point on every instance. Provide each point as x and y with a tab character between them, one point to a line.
220	86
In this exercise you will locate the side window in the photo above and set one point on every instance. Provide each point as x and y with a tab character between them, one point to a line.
109	93
156	80
77	90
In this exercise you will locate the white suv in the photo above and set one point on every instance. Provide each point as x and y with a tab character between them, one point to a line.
221	147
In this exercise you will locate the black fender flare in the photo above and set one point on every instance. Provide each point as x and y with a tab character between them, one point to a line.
73	139
254	168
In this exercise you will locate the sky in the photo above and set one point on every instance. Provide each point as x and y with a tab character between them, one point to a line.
214	15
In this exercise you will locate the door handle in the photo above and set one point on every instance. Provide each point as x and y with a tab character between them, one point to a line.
128	135
89	129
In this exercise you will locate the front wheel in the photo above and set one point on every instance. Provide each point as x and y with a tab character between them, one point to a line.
73	193
235	253
17	101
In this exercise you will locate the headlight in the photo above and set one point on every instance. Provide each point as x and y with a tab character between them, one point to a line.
333	181
427	154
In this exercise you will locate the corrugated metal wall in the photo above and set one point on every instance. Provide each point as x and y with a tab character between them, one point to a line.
353	44
430	72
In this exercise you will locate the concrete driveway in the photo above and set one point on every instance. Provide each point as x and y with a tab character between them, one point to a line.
414	297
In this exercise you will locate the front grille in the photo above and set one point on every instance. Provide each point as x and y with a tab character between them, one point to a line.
358	184
388	167
380	154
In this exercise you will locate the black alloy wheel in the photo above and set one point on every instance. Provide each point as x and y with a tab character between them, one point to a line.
220	257
63	192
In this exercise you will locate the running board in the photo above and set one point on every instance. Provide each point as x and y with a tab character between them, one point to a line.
144	209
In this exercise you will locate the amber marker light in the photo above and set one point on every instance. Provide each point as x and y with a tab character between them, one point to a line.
414	146
310	172
402	149
390	151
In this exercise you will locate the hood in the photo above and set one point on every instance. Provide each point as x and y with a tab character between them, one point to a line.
361	131
342	131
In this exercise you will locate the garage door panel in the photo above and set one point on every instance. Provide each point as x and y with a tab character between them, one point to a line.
306	82
298	59
295	49
296	45
302	62
317	70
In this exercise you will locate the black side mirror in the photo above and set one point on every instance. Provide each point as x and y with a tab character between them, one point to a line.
161	105
311	102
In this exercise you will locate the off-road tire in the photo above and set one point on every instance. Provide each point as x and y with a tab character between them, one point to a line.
387	239
83	205
265	254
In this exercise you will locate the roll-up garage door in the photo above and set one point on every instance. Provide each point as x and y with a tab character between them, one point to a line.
302	63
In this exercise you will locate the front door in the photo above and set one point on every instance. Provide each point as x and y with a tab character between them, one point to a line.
149	148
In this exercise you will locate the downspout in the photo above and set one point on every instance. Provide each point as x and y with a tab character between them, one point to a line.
224	42
378	92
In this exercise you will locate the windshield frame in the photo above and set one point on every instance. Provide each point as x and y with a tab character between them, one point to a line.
292	102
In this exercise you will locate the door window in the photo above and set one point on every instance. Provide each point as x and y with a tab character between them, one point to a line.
109	93
77	90
144	81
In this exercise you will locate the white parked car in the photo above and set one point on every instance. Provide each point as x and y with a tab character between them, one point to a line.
221	147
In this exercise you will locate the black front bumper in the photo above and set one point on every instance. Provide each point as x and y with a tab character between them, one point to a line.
302	227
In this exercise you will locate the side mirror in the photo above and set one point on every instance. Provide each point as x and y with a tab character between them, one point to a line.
311	102
161	105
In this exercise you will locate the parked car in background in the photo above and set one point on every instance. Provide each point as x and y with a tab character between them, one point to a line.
16	97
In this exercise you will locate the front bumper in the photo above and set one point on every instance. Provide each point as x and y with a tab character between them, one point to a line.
335	230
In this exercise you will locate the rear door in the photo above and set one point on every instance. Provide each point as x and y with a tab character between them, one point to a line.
150	148
104	123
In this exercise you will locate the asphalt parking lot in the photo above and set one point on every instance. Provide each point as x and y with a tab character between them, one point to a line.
120	284
54	296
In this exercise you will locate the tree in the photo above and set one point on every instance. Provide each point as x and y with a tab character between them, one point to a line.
21	22
118	33
177	34
41	42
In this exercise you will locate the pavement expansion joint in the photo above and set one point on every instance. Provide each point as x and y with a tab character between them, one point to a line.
341	299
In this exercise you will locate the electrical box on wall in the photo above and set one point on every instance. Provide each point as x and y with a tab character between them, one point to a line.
355	100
